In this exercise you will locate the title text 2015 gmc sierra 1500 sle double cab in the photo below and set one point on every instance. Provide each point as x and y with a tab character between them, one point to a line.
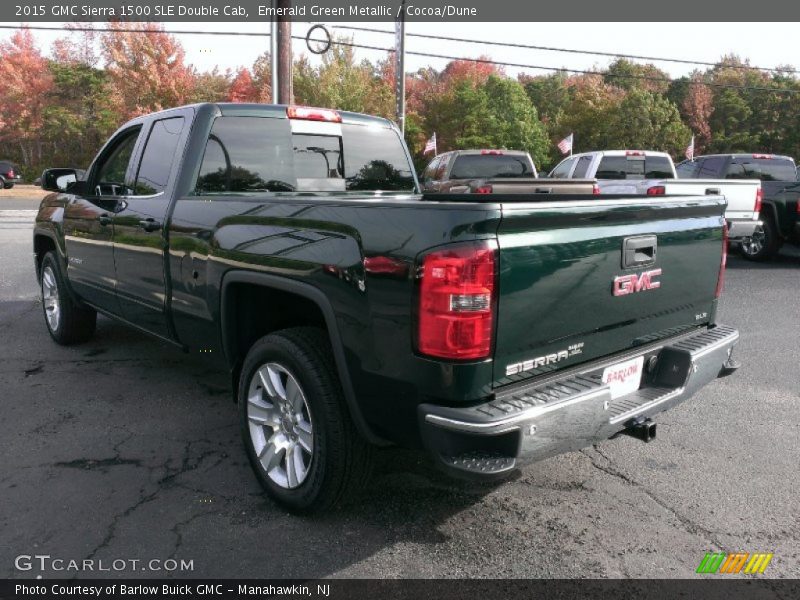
352	310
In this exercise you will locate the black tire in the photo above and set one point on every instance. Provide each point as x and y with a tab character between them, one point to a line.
764	243
8	186
340	460
75	324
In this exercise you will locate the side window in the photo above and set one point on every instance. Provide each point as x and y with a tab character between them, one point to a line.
711	168
686	169
158	157
582	167
562	170
110	172
427	174
441	169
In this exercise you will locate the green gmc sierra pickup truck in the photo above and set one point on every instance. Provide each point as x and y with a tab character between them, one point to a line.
352	311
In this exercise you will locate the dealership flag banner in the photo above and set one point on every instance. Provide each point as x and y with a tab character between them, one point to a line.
430	146
690	150
565	145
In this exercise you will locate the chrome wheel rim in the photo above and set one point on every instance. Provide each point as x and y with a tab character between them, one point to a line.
52	305
754	244
280	425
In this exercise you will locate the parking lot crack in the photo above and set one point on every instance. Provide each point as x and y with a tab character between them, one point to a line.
688	524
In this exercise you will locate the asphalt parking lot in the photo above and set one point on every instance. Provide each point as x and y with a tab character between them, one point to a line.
125	448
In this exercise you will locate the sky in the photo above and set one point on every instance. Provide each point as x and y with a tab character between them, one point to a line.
689	41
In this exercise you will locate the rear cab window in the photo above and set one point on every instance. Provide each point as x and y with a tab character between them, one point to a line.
490	166
635	166
766	168
246	154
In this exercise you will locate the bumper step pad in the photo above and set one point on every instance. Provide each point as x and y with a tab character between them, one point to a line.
573	409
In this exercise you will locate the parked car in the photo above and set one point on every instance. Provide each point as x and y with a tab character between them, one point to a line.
618	171
9	174
291	246
654	173
493	172
776	173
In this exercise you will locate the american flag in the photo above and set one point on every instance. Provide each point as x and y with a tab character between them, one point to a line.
565	145
690	150
430	146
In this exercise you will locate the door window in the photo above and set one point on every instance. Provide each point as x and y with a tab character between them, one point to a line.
113	166
582	167
686	169
427	174
158	157
712	168
562	170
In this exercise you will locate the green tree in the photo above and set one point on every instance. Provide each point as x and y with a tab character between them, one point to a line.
80	114
648	121
629	75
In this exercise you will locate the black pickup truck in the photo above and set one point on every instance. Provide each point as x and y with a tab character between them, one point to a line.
292	244
780	211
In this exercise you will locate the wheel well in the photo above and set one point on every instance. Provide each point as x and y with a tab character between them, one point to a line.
253	311
41	246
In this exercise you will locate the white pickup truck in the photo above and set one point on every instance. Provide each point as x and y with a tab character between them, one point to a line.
653	173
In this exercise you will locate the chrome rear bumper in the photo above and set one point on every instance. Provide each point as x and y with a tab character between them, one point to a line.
537	420
738	230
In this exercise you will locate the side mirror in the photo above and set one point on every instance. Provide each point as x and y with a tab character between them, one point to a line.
58	180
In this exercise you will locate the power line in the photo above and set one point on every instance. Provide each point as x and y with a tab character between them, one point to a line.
426	55
555	49
562	69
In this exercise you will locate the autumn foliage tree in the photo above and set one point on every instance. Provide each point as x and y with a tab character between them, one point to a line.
57	110
243	88
27	82
147	69
697	108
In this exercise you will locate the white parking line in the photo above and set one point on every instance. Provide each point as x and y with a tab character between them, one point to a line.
17	219
17	214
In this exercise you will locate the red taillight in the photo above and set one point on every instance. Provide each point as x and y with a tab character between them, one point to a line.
596	189
385	265
656	190
307	113
723	262
11	174
483	189
762	156
456	302
634	153
759	199
493	152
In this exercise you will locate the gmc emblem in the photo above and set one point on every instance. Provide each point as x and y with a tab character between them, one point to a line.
629	284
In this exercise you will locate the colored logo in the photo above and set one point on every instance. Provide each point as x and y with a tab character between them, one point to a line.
740	562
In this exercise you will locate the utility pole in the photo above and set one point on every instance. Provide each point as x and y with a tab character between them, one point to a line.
399	68
285	92
273	57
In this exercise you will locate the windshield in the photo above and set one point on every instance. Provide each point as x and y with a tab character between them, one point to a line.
765	169
488	166
260	154
635	167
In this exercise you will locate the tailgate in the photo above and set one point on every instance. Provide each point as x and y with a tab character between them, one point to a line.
739	193
562	284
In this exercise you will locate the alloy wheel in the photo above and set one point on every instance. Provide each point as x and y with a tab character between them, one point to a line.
280	425
50	299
